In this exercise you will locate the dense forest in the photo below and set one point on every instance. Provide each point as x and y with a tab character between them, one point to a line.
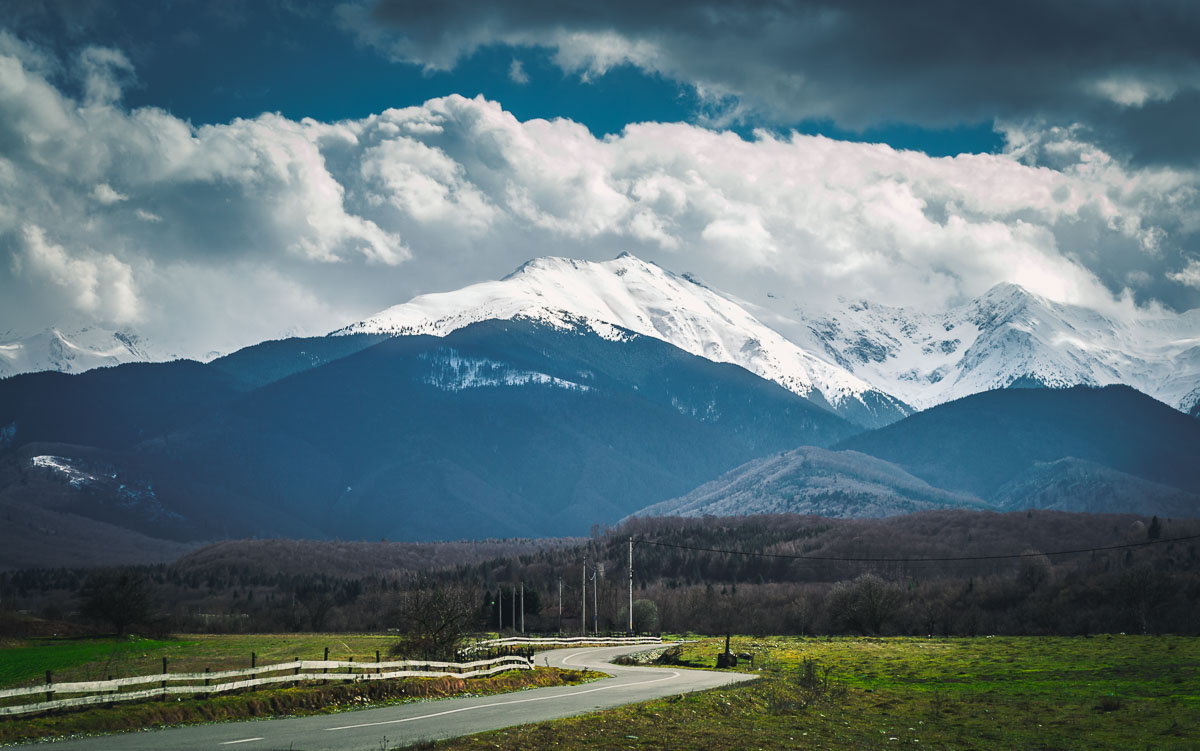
1033	572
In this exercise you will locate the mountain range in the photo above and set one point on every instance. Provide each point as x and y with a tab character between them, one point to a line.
501	428
1108	450
870	363
1006	338
575	393
74	349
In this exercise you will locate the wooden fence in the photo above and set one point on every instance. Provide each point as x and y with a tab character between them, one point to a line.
104	692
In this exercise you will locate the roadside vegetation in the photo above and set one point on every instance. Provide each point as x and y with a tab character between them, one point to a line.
1104	692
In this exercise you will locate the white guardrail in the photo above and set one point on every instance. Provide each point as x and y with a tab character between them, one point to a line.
111	689
567	641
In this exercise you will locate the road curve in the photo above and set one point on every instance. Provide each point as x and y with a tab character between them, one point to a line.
404	724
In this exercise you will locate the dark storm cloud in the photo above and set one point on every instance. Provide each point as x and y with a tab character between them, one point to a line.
1125	70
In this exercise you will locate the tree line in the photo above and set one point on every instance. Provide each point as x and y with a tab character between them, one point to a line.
688	571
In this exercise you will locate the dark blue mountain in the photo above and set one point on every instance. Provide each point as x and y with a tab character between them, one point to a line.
109	408
499	429
980	443
503	428
266	362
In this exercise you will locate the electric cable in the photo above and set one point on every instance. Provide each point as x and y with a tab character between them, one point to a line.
948	559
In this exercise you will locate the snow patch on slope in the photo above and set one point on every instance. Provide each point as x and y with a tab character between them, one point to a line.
102	483
74	476
451	371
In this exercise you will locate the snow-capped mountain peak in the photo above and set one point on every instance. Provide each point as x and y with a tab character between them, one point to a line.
1006	337
72	350
646	299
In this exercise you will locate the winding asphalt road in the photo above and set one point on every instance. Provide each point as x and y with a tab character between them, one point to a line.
428	720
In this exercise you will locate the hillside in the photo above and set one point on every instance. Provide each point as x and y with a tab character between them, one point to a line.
266	362
813	481
1075	485
979	443
352	559
500	429
111	408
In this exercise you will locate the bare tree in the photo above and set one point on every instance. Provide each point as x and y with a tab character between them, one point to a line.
434	617
318	601
863	605
1034	570
1142	592
120	597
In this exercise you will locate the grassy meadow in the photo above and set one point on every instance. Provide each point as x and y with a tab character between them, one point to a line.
1105	692
25	662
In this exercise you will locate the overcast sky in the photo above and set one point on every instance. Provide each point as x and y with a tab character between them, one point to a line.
215	173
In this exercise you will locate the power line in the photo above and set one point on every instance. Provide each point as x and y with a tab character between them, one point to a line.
913	560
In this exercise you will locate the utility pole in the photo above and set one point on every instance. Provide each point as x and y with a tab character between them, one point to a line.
560	604
631	585
583	618
514	610
595	602
522	607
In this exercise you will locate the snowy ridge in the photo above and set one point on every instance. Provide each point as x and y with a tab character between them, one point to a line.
643	298
73	350
1007	337
868	362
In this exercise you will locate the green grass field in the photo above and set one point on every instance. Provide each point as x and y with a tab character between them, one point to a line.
1107	692
25	662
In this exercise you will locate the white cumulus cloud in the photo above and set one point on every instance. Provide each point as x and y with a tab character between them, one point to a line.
1189	274
227	234
95	284
105	194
